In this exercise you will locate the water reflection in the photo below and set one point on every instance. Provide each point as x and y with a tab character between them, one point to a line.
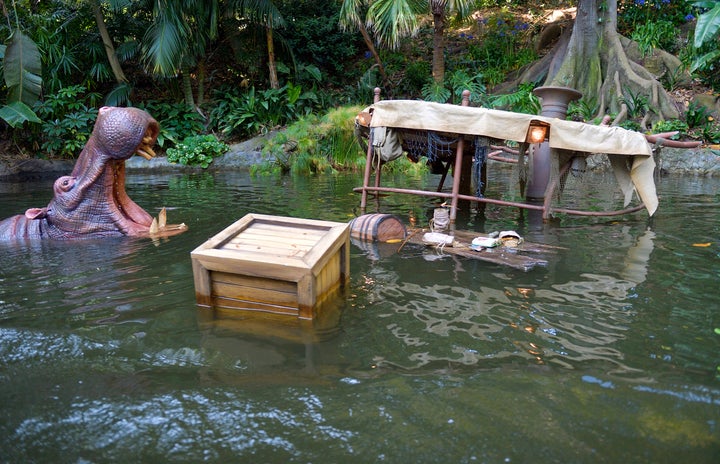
564	324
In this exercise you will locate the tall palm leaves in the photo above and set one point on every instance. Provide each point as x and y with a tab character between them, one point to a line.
22	71
262	12
392	20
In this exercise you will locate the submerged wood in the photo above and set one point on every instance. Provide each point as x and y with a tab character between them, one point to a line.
525	257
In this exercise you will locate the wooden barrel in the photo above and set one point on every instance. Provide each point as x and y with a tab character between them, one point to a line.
378	228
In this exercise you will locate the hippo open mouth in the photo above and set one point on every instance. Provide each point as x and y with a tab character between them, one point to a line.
92	201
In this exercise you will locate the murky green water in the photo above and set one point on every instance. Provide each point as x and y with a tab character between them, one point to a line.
609	354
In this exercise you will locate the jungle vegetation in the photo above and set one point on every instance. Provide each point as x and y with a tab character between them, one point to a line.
238	68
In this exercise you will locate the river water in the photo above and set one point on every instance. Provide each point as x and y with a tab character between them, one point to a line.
610	353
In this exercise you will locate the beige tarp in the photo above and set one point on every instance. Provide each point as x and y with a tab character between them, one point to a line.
506	125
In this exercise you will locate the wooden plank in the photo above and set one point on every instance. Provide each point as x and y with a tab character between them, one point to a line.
258	295
285	249
516	258
255	264
257	282
276	239
238	304
201	278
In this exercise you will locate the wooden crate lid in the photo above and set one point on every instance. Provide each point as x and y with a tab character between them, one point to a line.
274	240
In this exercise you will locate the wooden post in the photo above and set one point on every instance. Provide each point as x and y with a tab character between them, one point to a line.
368	161
458	164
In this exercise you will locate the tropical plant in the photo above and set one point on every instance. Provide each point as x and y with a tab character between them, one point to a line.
258	111
68	118
177	121
672	125
637	103
697	115
707	30
584	109
520	101
392	20
656	34
436	92
22	72
197	150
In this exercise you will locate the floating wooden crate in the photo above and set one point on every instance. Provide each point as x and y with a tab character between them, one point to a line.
274	264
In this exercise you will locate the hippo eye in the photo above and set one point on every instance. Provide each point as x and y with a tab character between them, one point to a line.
65	183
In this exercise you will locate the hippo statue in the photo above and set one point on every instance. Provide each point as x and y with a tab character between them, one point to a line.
91	201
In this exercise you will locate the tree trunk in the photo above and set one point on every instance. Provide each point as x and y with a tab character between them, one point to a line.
438	61
187	86
598	62
107	42
201	81
371	46
274	83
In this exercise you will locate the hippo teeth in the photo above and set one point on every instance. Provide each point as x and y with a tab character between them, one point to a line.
146	152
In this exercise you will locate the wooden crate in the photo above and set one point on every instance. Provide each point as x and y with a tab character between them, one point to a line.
273	264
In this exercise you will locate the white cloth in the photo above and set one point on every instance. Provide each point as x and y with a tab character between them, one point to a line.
614	141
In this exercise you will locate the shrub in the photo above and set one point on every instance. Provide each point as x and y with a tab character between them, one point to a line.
671	126
197	150
176	120
69	116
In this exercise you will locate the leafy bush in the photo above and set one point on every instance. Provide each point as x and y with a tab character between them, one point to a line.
520	101
176	121
705	42
197	150
69	117
315	144
655	34
697	115
258	111
671	126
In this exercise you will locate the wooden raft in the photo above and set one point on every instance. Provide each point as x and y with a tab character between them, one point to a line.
519	257
273	264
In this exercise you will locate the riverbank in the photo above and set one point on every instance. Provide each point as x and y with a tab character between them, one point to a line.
241	156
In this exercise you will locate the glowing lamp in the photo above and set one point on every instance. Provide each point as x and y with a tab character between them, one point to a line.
537	132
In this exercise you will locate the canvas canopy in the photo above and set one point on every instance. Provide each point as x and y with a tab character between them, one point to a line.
629	152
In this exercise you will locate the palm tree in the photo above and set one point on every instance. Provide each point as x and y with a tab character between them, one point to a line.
177	40
265	13
440	9
107	40
392	20
349	18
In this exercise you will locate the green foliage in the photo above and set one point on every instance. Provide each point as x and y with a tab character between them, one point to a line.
69	117
697	116
631	124
460	81
197	150
671	80
671	126
634	13
313	36
637	103
258	111
176	120
500	47
22	68
417	74
707	33
655	34
520	101
313	145
436	92
585	109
